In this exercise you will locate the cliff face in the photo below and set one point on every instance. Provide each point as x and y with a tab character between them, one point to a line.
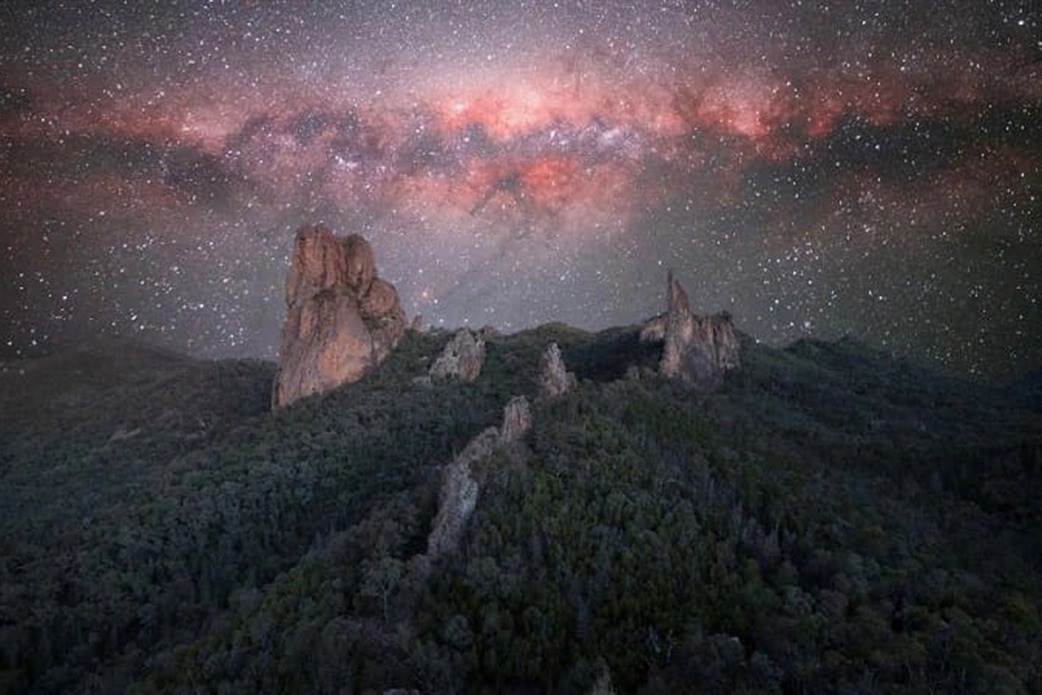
341	319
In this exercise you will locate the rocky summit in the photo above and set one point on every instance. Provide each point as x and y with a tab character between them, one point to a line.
461	359
341	319
698	350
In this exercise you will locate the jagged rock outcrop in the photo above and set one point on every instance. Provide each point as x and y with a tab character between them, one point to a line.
554	379
462	358
459	493
462	479
654	331
341	319
698	350
517	419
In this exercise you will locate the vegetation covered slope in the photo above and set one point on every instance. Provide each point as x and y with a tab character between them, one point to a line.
832	519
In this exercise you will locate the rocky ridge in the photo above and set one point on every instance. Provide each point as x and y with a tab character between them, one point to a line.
462	479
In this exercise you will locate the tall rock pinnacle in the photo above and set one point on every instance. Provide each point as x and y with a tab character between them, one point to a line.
697	349
341	319
554	380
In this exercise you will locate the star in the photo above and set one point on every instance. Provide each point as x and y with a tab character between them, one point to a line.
815	173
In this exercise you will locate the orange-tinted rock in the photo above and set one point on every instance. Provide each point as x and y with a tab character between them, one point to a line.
361	265
340	321
318	264
381	299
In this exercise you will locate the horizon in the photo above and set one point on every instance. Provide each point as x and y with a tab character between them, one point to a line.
815	173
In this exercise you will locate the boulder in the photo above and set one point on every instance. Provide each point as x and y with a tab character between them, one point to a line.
340	319
462	358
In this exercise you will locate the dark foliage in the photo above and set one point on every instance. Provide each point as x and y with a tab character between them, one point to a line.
832	520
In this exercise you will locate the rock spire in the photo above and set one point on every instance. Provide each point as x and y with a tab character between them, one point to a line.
698	350
554	380
341	319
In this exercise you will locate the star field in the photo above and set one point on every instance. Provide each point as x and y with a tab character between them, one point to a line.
817	169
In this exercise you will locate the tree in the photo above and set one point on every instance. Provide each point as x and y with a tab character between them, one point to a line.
380	578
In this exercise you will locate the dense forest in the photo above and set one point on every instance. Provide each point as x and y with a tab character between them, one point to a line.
832	519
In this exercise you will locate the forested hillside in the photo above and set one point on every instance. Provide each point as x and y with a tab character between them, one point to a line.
831	519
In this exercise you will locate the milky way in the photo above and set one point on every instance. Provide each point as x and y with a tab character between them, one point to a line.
872	169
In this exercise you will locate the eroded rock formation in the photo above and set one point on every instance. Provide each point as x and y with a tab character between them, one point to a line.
698	350
654	331
341	319
517	419
554	379
462	479
461	359
459	492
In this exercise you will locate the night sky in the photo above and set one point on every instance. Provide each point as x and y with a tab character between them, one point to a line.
818	169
